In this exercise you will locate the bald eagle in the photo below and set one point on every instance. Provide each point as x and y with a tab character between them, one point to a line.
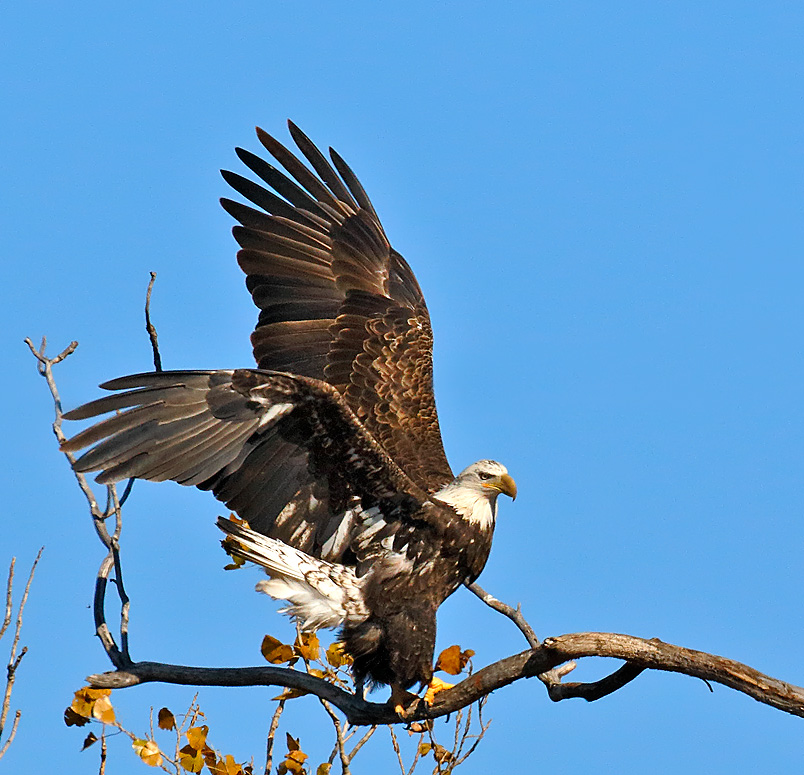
330	451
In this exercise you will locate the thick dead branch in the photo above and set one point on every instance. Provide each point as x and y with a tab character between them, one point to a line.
642	653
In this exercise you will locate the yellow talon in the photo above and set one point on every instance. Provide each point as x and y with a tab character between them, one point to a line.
436	686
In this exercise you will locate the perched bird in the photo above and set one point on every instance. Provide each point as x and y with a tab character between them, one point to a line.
330	451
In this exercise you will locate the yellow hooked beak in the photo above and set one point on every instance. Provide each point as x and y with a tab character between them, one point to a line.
504	484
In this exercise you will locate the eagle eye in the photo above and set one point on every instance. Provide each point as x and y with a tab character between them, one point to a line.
485	475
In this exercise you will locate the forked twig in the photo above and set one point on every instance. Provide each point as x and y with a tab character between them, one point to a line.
14	658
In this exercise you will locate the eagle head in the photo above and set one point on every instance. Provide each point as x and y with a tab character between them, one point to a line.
489	478
473	492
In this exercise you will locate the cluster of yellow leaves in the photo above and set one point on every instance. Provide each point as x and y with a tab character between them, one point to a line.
89	704
196	754
308	648
452	660
95	705
294	758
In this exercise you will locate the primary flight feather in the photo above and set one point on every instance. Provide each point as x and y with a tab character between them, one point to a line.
330	450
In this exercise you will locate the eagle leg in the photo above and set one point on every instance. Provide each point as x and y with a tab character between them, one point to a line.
402	700
436	685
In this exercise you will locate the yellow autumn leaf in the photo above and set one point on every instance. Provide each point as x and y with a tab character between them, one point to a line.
191	759
323	769
276	652
452	660
197	736
210	757
232	767
166	719
424	749
84	700
307	646
103	710
441	754
148	751
337	656
290	694
297	756
216	766
290	765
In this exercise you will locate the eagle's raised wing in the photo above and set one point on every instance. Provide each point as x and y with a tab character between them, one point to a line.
285	452
344	321
337	302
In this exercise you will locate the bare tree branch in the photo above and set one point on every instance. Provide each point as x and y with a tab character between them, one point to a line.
269	744
514	614
653	654
14	658
149	326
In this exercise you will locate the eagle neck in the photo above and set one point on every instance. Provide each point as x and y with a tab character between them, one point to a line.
475	507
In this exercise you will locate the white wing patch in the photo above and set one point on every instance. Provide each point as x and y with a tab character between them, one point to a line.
276	412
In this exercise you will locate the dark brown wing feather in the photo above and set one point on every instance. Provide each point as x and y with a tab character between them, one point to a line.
336	302
283	451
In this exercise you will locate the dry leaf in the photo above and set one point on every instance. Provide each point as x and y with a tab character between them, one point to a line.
191	759
323	769
73	719
84	700
293	744
166	719
337	656
276	652
290	694
307	646
103	710
197	736
148	751
452	660
89	740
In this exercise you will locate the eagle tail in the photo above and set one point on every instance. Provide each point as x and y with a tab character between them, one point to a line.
319	593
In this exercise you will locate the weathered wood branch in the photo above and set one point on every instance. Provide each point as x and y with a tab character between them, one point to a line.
639	653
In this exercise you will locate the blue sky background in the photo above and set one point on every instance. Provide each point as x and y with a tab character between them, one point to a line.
603	204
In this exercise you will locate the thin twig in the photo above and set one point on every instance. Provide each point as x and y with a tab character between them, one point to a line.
269	745
514	614
363	740
149	326
14	658
9	606
12	734
397	750
338	736
102	769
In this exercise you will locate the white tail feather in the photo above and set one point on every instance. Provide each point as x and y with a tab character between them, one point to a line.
319	593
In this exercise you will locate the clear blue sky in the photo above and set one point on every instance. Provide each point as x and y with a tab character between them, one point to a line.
603	204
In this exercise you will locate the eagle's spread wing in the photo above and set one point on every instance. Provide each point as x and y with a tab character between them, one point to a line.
337	302
283	451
